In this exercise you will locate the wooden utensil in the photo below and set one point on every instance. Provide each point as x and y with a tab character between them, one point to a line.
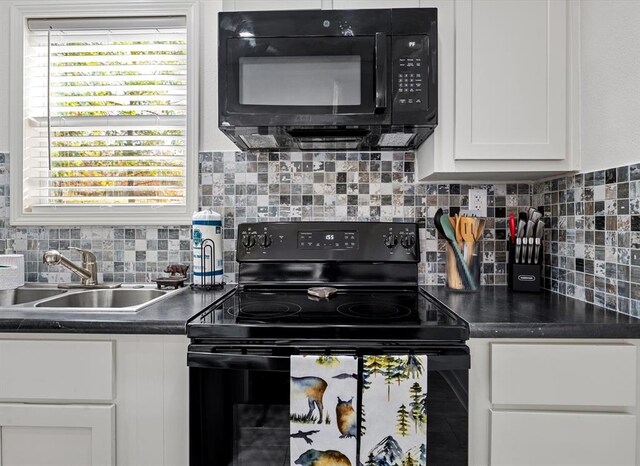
479	229
453	275
450	234
457	227
453	278
466	229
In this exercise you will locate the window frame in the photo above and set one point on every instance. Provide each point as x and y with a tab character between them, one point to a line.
21	11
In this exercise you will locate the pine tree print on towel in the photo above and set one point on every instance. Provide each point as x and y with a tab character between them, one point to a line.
394	401
402	423
394	369
418	407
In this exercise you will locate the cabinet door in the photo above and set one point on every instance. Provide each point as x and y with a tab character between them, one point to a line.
36	370
511	80
562	438
563	374
57	435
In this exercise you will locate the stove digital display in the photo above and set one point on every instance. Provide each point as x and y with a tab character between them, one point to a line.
327	239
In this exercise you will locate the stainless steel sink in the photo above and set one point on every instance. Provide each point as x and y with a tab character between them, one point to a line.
129	298
116	298
27	295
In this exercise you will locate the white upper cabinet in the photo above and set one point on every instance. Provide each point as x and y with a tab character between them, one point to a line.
508	77
511	85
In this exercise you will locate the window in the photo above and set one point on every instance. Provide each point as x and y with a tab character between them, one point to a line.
107	119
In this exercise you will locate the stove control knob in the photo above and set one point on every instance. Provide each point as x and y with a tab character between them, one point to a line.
390	240
407	241
249	241
265	240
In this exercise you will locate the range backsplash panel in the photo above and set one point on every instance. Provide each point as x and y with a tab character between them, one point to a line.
593	245
269	187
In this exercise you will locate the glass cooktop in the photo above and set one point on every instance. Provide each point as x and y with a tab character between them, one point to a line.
292	313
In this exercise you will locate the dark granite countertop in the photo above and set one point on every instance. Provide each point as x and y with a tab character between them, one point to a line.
496	312
168	316
493	312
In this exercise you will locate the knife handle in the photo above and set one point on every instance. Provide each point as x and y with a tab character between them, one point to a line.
517	255
512	227
530	250
536	254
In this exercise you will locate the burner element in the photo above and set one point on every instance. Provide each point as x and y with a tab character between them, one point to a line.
265	310
374	311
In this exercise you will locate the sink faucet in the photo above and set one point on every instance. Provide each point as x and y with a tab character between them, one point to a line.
88	272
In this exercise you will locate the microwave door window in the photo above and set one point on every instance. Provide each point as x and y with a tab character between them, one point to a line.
300	76
306	81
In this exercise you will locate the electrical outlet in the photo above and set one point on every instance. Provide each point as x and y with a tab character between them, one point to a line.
478	202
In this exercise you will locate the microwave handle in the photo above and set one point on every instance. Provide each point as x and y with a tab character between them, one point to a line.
381	71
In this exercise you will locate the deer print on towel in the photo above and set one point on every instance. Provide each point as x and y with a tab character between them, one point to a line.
313	388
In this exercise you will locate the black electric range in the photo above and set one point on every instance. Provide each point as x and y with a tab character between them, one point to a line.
352	313
239	356
373	267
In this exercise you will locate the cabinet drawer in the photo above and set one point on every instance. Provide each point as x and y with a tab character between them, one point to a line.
56	370
549	438
563	374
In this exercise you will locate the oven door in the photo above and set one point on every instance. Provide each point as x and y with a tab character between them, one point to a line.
302	81
239	402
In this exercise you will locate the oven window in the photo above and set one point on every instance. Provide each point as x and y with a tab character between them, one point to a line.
241	418
332	80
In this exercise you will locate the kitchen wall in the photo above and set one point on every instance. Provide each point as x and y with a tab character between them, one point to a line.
260	187
593	246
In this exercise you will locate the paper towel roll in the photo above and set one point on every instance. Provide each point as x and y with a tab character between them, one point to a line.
207	225
11	276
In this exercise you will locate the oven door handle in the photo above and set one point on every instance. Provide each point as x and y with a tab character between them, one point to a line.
231	361
263	362
381	71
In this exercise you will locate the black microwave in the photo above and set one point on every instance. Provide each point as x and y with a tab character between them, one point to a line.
328	79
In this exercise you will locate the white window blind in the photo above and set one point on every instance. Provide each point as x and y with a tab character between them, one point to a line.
106	106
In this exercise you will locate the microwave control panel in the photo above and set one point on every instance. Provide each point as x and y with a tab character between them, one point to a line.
410	73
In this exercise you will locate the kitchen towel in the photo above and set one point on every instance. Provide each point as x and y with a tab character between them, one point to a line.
323	416
393	430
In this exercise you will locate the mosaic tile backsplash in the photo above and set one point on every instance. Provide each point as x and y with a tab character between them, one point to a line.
283	186
593	244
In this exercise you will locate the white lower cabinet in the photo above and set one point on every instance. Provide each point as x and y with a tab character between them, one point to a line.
93	400
52	435
520	438
554	402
